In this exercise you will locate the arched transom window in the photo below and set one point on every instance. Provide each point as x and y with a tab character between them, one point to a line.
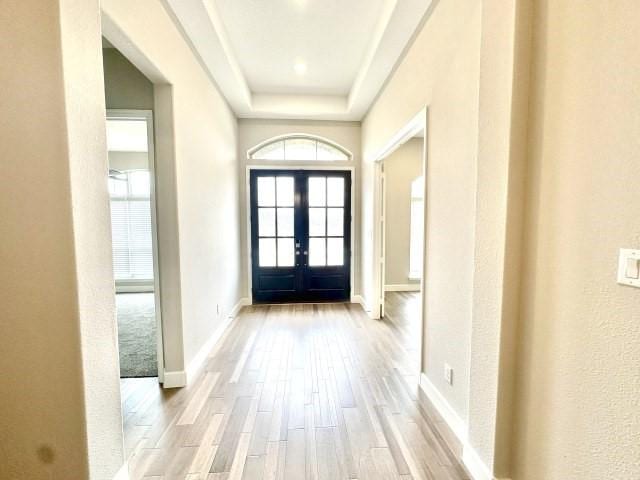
299	148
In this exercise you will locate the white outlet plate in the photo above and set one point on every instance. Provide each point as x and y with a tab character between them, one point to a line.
627	255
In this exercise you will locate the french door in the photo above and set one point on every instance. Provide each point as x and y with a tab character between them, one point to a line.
300	235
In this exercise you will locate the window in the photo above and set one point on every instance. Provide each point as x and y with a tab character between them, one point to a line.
299	148
416	229
127	135
131	224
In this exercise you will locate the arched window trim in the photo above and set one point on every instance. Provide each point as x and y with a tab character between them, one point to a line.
252	151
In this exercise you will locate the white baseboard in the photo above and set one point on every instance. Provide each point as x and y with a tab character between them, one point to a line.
358	299
457	425
175	379
123	473
134	286
470	458
243	302
180	378
363	303
196	364
474	464
403	287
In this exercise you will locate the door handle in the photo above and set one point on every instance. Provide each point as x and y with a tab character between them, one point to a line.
305	252
297	252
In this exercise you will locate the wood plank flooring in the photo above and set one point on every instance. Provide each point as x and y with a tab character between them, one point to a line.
402	314
294	392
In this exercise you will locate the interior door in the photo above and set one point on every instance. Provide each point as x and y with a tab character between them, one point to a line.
300	235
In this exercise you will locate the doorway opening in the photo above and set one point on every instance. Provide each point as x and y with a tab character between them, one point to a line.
400	173
134	239
300	235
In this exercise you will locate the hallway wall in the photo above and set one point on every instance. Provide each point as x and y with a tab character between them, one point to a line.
200	136
125	86
60	409
441	71
577	414
401	168
251	132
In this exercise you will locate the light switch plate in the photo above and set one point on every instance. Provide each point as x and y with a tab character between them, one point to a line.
627	271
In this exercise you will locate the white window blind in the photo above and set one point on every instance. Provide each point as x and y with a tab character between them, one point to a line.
131	226
416	229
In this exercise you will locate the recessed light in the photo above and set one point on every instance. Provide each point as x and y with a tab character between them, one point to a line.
300	68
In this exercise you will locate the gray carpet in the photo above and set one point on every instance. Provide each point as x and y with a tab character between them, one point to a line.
137	335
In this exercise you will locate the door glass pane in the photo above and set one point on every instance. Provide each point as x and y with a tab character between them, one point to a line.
317	254
300	149
285	191
267	252
335	254
335	222
285	222
286	256
317	222
317	191
335	192
267	222
266	191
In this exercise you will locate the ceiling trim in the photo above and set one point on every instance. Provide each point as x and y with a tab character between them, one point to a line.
200	23
226	50
381	27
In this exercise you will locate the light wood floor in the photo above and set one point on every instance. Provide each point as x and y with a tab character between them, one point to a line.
402	314
294	392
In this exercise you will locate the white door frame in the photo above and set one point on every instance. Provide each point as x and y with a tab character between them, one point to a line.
382	226
147	115
418	123
298	167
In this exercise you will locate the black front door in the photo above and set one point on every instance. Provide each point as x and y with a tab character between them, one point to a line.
300	235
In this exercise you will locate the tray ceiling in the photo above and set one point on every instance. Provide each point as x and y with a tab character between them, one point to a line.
324	59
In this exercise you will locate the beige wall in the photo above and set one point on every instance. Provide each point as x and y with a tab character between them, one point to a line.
202	140
578	415
469	66
346	134
504	74
401	168
60	411
576	408
125	86
440	71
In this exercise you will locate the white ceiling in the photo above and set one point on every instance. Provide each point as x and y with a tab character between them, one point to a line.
343	50
269	37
